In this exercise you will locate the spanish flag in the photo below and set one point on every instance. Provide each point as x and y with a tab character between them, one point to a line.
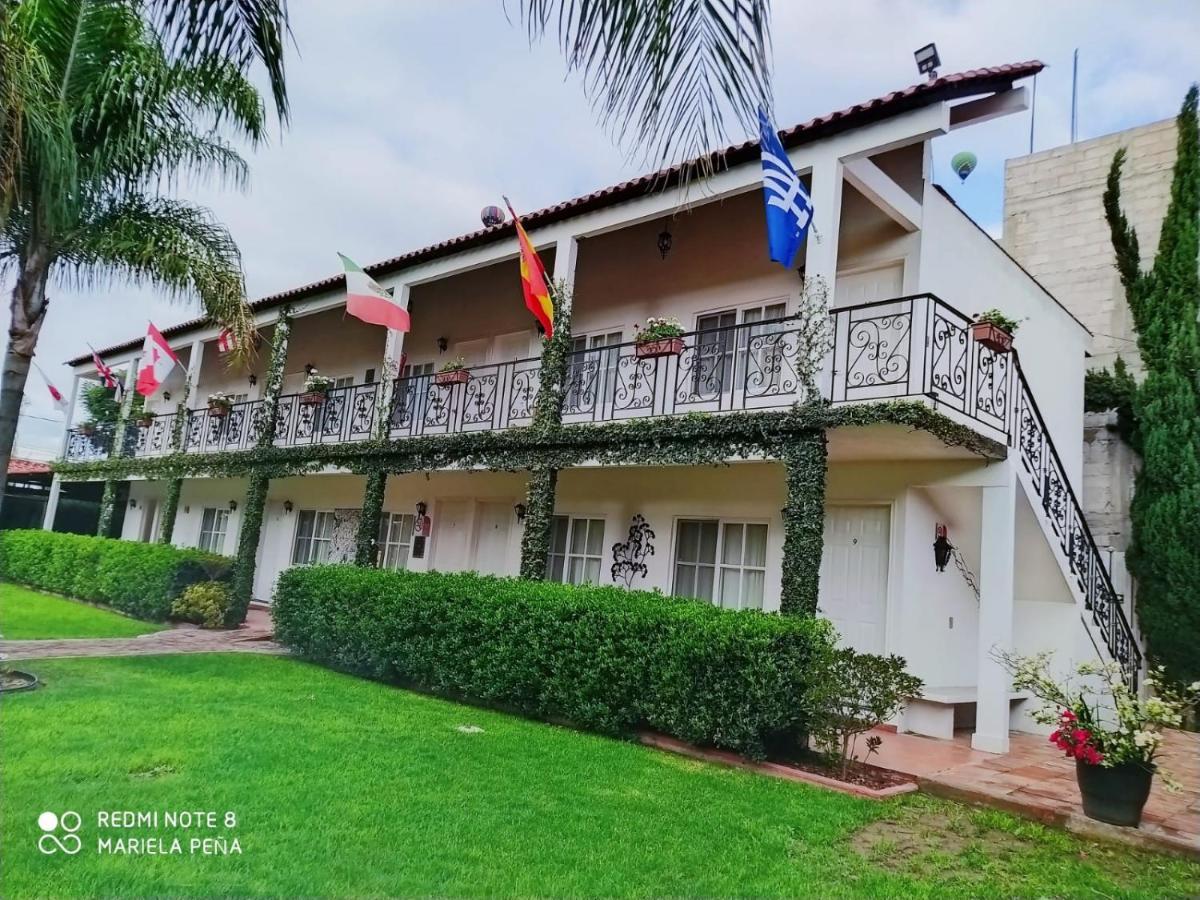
533	279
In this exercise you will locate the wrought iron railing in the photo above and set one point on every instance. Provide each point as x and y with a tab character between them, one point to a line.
743	367
346	415
85	444
918	346
1039	458
480	398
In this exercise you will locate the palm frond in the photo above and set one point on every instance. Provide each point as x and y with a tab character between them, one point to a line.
236	31
174	245
665	76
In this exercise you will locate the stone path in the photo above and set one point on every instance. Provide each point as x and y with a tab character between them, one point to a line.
1035	780
254	636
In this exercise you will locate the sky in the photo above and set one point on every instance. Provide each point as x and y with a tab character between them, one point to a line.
408	117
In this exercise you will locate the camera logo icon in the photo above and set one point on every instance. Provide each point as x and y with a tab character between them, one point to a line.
58	833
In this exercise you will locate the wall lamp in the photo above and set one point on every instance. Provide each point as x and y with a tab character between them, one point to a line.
664	240
253	379
421	508
442	344
942	548
132	503
519	509
309	368
287	506
232	505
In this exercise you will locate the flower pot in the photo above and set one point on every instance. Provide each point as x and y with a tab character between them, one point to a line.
992	337
314	398
87	430
145	421
1114	795
661	347
452	376
218	410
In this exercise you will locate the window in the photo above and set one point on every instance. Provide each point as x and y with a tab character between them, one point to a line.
591	377
719	341
576	550
395	539
314	535
724	562
212	529
343	381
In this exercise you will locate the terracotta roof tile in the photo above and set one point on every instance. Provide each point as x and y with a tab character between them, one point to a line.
28	467
947	87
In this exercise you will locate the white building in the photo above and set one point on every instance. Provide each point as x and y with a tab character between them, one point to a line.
925	426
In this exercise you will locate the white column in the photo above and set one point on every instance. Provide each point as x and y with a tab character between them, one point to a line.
821	245
56	482
566	254
393	351
195	360
996	603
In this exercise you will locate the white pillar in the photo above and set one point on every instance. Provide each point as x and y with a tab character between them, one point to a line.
996	603
56	482
566	254
393	351
821	245
195	360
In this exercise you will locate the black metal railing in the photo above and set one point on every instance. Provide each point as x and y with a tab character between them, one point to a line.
85	444
480	398
1038	456
743	367
918	346
347	414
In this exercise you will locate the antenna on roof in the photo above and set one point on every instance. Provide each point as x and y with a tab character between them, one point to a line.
1075	96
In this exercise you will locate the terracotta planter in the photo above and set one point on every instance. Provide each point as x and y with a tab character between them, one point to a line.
992	336
1114	795
218	410
314	398
87	430
453	376
145	421
661	347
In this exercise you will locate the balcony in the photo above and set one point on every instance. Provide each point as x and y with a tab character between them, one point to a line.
911	347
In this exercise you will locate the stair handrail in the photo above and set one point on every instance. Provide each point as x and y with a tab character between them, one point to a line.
1120	636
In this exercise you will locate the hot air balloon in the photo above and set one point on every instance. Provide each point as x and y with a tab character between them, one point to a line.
491	215
964	163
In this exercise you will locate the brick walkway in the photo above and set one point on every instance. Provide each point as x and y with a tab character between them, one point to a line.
1035	780
254	636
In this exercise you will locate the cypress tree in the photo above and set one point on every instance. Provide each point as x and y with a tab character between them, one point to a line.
1164	554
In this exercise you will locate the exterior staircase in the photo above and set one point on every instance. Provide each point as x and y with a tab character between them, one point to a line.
1060	515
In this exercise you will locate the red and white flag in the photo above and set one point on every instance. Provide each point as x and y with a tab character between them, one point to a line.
367	300
60	402
226	341
159	368
107	377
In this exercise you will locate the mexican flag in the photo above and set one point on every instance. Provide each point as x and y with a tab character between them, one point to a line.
367	300
159	368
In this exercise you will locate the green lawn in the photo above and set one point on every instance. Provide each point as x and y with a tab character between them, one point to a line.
30	615
342	786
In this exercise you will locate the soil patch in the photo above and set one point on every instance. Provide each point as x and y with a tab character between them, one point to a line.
904	842
859	773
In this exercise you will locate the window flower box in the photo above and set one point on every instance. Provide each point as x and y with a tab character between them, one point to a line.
671	346
992	337
87	429
316	388
145	420
313	398
451	376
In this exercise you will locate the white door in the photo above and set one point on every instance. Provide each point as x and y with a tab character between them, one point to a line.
149	526
514	346
491	538
854	574
451	536
856	288
472	353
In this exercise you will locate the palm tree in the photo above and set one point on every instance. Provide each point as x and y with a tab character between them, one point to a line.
107	117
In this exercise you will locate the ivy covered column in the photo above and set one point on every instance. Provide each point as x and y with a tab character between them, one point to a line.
259	480
170	507
539	516
119	441
368	522
804	459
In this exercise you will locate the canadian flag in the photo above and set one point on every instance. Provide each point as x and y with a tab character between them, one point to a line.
225	341
159	367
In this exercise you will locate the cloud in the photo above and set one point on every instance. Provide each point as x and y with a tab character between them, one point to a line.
408	118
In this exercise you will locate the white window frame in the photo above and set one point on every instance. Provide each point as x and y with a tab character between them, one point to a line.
212	538
718	565
567	556
394	554
319	516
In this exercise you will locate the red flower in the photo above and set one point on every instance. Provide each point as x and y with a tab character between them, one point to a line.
1067	716
1081	735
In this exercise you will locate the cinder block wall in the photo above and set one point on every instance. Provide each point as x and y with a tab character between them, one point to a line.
1054	226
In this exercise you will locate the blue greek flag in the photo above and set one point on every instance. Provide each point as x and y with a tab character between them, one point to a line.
789	208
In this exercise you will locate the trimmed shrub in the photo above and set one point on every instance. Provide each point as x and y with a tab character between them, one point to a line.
205	603
601	658
135	578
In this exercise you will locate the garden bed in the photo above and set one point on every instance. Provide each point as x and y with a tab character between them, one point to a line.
12	680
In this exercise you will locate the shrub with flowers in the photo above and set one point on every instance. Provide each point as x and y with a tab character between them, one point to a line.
1098	718
316	383
659	329
220	401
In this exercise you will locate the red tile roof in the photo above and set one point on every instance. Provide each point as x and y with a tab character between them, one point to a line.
27	467
947	87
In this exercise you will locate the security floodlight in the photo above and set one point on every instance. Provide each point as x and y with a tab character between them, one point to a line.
927	60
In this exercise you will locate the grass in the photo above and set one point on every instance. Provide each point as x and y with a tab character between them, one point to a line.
30	615
347	787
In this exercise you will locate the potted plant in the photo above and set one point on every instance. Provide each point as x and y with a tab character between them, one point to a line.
316	388
453	372
658	337
88	428
994	330
145	419
1112	734
219	404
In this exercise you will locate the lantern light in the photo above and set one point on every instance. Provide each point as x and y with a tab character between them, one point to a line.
928	60
942	548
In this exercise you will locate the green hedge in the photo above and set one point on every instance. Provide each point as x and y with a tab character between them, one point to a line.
601	658
135	578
